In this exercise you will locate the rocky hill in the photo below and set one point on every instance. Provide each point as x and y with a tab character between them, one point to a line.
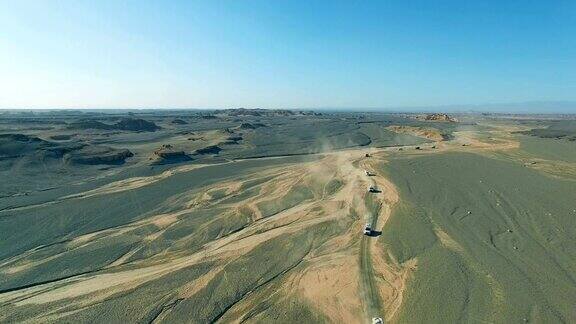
137	125
127	124
437	117
168	154
31	149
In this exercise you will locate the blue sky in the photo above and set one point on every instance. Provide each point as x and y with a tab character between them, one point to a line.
285	54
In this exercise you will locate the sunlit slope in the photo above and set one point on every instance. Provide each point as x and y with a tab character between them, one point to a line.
495	241
84	233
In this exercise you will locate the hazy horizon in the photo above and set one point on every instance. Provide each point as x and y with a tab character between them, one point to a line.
551	107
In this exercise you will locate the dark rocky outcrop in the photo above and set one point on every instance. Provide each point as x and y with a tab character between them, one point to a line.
167	154
136	124
61	137
98	155
17	145
19	138
90	124
213	149
234	138
127	124
231	140
33	150
179	122
251	126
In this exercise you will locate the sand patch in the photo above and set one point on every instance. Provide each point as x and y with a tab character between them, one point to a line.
424	132
134	183
331	286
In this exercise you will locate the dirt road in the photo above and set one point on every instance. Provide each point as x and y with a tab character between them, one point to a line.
370	294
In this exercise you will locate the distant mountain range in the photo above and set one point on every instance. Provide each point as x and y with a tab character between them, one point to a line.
528	107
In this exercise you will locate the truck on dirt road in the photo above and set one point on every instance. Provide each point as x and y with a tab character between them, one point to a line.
373	189
368	229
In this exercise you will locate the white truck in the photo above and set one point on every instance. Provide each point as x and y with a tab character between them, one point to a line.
368	229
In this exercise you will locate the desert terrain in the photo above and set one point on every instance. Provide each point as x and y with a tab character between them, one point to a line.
257	216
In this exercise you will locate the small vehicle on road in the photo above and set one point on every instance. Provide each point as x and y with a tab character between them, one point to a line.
368	229
373	189
377	320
